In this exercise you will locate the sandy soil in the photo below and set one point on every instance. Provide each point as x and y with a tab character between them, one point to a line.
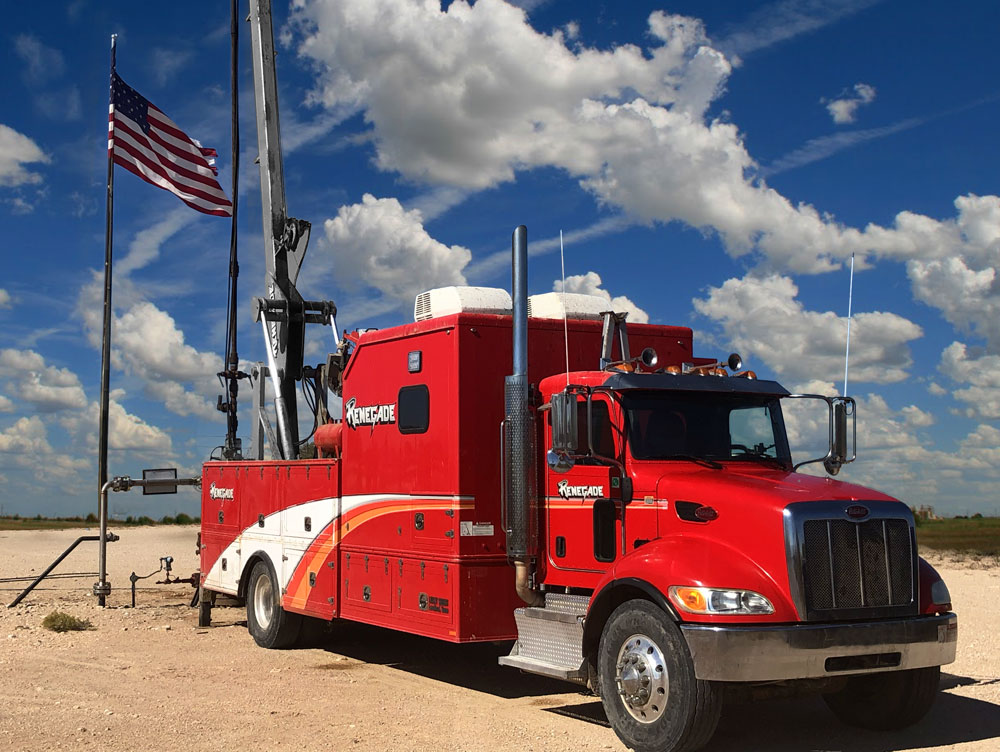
149	679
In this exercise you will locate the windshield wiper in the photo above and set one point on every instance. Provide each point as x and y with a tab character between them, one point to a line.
697	460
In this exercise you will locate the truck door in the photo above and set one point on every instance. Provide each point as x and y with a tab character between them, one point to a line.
582	506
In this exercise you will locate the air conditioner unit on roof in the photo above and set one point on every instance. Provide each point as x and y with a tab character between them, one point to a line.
555	305
444	301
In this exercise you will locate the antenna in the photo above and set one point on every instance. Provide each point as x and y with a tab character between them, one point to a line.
562	263
847	353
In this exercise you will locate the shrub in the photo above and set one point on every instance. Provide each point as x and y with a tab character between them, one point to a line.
58	621
167	520
183	519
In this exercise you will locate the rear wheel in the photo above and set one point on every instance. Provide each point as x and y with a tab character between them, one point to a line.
269	624
648	686
887	701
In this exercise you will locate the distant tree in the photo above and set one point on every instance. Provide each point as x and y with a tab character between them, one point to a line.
167	520
183	519
91	517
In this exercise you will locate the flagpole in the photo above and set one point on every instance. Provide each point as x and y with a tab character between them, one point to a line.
102	588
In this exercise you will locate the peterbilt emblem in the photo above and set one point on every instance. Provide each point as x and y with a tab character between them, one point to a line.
857	512
579	492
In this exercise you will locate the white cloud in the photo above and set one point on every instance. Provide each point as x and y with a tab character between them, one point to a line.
45	387
981	373
628	123
816	149
166	63
42	63
380	244
763	318
4	298
145	246
844	109
17	150
6	405
26	436
784	19
590	284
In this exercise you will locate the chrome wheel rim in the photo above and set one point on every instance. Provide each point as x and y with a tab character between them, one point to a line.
641	678
263	601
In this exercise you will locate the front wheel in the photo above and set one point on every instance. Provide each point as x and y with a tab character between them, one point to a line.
648	687
886	701
269	624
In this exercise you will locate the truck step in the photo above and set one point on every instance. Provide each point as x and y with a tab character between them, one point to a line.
550	639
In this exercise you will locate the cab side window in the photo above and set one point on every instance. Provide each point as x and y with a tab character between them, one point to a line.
604	442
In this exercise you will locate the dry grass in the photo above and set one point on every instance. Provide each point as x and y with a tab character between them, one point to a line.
58	621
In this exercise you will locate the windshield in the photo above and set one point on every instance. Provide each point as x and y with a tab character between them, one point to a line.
708	426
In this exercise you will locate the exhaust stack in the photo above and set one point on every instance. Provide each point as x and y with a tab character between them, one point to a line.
520	430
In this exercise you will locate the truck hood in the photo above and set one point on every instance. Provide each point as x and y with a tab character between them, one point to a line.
754	487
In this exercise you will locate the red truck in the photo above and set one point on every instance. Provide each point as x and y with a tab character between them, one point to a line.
635	524
503	468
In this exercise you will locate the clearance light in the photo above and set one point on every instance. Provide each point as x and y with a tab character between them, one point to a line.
702	600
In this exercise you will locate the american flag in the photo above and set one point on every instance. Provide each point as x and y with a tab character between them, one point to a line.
149	144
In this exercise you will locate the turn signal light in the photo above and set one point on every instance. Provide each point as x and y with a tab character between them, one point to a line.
692	599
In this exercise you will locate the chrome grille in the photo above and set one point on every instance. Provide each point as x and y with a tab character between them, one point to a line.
842	568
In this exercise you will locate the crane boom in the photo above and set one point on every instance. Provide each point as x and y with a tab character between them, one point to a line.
283	310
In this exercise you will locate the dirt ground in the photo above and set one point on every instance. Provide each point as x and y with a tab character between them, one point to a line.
149	679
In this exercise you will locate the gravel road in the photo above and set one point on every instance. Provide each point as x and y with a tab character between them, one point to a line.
149	679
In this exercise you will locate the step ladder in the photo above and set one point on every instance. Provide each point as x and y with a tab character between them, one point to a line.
550	638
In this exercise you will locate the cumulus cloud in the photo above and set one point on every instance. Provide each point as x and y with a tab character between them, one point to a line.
17	150
386	247
26	436
844	109
590	284
46	388
126	431
763	318
981	373
480	95
4	298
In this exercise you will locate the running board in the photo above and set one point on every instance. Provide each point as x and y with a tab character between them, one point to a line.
550	639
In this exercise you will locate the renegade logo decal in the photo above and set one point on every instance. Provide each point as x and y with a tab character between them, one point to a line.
220	493
580	492
369	415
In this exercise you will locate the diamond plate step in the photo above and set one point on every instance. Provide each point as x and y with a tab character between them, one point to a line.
550	641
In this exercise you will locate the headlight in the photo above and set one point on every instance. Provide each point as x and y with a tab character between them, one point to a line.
702	600
940	594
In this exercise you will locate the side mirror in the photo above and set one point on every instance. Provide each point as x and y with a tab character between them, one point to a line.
559	462
838	452
840	431
564	423
648	357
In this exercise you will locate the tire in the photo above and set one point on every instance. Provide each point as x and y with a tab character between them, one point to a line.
269	624
886	701
671	712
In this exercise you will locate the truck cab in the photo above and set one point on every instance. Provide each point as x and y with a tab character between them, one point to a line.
699	560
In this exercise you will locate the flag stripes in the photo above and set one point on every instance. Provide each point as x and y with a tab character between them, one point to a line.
149	144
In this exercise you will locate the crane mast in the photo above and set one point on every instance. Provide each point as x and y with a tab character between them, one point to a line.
283	311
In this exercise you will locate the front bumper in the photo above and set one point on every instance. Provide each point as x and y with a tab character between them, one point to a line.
764	653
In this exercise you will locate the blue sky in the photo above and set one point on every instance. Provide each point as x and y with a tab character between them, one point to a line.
711	164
